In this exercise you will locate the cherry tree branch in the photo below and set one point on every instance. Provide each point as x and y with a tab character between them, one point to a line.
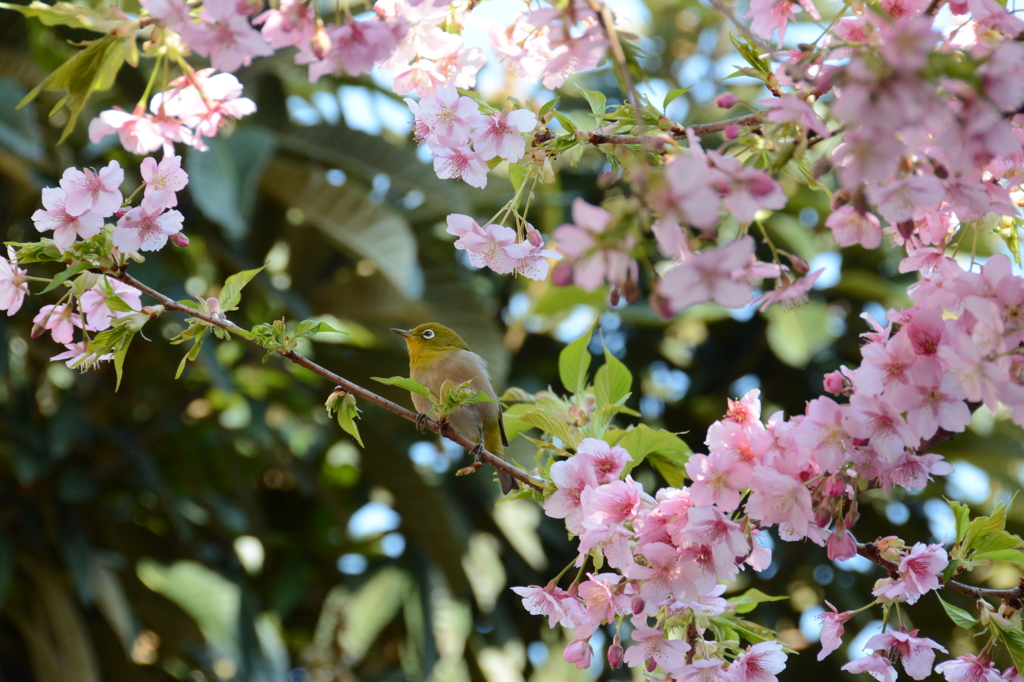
442	428
662	138
869	550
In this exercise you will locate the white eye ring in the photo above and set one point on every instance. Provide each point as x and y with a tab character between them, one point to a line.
429	334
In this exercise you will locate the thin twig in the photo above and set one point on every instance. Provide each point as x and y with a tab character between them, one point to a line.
663	137
441	428
869	550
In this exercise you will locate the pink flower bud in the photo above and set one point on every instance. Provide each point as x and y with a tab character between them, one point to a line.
638	606
650	664
726	101
533	236
578	653
121	211
320	42
732	131
841	545
822	516
834	382
615	653
178	239
213	305
834	486
561	276
661	306
800	266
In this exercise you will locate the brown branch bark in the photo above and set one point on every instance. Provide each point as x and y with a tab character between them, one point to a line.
663	137
440	428
869	551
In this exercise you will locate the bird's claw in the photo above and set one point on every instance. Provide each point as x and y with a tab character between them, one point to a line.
477	451
420	426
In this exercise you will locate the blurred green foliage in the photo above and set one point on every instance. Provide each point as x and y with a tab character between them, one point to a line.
223	527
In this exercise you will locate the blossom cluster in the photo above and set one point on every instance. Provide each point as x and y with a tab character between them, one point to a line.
462	140
77	210
198	104
498	247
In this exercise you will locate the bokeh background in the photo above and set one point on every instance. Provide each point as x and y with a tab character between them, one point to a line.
222	527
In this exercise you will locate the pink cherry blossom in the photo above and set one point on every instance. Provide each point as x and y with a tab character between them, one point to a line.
788	292
916	653
551	601
705	670
876	665
791	109
571	477
969	668
91	191
709	275
688	196
761	662
292	24
594	262
920	568
718	479
66	227
204	101
849	226
898	200
769	15
528	257
147	226
745	190
139	132
60	320
167	177
98	315
841	544
780	499
445	115
454	160
77	356
832	630
500	134
874	418
226	37
13	284
607	461
932	400
823	433
651	645
486	246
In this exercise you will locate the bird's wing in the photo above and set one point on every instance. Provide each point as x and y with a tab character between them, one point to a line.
501	425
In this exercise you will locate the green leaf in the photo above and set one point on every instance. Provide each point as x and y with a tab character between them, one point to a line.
957	615
596	99
64	275
516	175
193	352
308	328
1012	555
1013	639
612	381
573	363
796	335
406	383
87	71
66	14
547	106
231	294
748	601
566	122
347	421
673	94
963	518
539	418
642	440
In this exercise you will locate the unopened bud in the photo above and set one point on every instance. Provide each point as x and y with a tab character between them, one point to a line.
121	211
732	131
906	228
822	516
332	400
615	653
179	240
638	606
834	382
320	42
834	486
350	400
664	123
661	306
213	305
650	664
562	274
726	101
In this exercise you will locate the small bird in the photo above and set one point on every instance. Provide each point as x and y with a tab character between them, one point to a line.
437	353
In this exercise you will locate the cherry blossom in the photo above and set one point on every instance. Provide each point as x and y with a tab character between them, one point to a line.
917	654
94	302
969	668
486	246
147	226
77	356
93	191
13	284
65	227
876	665
832	630
500	134
139	132
710	275
166	178
761	662
59	320
591	262
454	160
651	645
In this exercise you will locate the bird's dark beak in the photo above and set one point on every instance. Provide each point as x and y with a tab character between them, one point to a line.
404	333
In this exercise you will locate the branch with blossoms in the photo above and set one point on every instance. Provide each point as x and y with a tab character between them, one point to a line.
923	141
